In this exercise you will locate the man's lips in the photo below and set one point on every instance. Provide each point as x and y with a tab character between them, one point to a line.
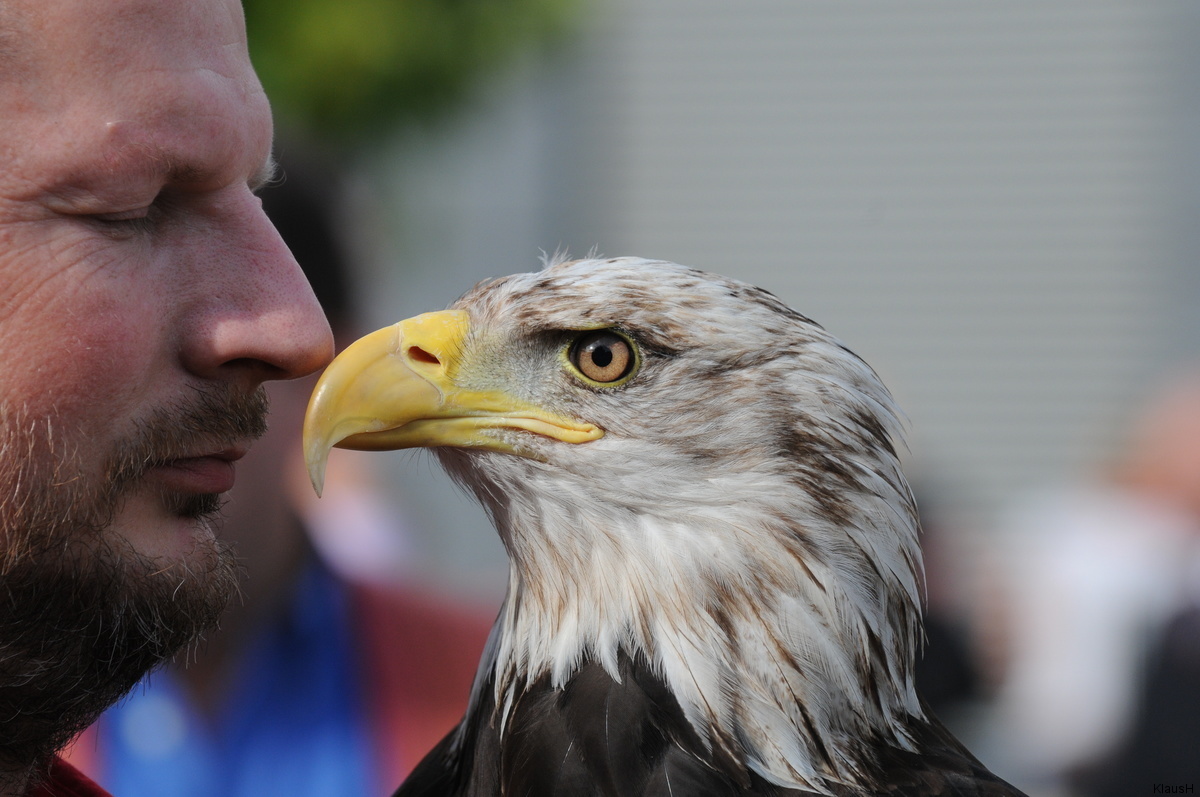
202	474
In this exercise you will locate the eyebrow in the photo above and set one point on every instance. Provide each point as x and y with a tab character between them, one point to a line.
265	175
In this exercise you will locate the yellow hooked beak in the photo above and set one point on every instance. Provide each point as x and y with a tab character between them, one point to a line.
395	388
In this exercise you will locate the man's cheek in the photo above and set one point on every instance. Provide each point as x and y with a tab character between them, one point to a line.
92	357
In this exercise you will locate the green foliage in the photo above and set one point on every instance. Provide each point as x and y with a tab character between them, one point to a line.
344	69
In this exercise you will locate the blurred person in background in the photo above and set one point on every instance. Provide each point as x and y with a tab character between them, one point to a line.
1094	576
324	680
948	672
1163	743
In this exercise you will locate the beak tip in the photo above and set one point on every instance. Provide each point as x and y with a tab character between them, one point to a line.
316	457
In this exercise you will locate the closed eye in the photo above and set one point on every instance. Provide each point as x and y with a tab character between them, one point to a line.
128	223
124	227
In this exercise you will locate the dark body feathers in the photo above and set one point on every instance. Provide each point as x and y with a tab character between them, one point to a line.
597	737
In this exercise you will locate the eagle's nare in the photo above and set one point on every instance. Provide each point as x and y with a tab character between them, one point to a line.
709	534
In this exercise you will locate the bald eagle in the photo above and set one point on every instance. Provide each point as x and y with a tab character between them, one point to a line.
714	583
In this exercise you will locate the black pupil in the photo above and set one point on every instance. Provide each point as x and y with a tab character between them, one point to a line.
602	355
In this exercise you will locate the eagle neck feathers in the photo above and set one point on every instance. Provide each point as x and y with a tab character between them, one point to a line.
785	632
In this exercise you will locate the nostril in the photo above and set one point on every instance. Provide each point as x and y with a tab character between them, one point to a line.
420	355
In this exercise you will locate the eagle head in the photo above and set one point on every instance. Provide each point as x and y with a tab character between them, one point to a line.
685	472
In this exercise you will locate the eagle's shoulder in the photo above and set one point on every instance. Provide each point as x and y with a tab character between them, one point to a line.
595	736
940	766
605	737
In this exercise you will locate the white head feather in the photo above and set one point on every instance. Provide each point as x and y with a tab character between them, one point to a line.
743	525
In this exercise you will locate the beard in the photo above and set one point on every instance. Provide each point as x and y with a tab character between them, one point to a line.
83	615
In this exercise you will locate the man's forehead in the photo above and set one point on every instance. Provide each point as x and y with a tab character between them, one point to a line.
34	16
67	36
13	35
181	104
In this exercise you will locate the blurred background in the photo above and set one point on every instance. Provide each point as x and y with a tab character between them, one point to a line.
992	203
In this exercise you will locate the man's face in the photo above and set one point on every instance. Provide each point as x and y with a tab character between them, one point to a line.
144	298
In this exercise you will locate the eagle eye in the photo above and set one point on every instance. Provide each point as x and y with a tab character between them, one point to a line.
603	356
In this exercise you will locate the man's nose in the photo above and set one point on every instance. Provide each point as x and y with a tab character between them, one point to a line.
259	319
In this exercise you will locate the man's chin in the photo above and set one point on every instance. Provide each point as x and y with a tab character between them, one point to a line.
170	526
81	626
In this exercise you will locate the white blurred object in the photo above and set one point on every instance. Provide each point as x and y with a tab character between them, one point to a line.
357	532
1092	575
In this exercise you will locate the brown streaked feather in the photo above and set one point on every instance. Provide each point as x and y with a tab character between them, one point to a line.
721	595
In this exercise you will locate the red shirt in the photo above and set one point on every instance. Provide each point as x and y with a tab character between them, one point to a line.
64	780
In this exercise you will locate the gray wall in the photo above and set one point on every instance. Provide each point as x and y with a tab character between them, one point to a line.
990	202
